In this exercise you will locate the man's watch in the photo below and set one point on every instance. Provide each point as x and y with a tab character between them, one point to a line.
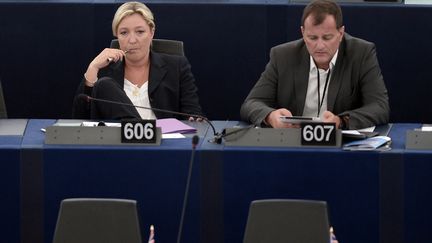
344	124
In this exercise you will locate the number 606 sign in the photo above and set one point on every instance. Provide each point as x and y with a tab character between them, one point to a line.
318	134
138	131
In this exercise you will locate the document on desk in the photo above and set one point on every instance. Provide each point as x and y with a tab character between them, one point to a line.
368	144
172	125
359	134
426	128
359	131
172	135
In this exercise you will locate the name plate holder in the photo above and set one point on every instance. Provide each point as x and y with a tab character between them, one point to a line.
101	135
416	139
271	137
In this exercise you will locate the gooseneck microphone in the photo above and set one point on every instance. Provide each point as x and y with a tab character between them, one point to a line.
217	136
195	140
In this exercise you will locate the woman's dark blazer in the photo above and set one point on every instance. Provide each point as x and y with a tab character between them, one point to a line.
171	87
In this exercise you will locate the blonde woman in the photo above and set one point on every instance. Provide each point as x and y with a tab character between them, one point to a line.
136	75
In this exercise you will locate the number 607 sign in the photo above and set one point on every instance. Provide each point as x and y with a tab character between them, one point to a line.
318	134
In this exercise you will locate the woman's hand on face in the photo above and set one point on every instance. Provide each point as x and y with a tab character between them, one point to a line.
102	60
107	56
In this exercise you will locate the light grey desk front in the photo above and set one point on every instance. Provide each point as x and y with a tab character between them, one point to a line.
12	127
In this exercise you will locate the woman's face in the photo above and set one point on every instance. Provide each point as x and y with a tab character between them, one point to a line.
135	36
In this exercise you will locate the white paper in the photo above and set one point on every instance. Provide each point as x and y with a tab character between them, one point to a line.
351	132
95	124
172	135
67	124
427	128
367	129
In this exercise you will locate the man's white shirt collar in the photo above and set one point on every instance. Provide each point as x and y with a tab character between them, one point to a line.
332	62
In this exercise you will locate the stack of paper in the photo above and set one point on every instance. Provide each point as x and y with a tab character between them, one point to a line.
367	144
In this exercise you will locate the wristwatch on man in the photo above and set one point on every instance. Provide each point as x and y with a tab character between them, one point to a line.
344	124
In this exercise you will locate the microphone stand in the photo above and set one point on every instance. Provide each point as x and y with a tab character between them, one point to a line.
195	140
217	136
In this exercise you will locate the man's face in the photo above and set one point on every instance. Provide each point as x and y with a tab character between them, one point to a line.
322	41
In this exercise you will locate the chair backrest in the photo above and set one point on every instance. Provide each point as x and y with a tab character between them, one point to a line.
172	47
3	111
87	220
287	221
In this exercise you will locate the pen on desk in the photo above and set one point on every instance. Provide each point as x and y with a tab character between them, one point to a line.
110	59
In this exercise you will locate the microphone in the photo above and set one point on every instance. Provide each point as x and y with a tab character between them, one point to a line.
195	140
217	136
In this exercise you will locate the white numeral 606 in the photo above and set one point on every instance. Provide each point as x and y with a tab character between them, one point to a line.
138	131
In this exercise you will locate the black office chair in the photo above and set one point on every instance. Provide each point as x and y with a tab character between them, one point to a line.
287	221
87	220
3	111
172	47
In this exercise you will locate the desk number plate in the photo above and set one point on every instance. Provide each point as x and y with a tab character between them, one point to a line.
318	134
138	131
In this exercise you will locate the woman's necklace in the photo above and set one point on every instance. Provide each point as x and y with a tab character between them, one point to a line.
135	91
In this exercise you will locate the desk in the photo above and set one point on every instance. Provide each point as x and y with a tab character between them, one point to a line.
11	133
364	190
417	195
348	181
374	197
154	176
10	190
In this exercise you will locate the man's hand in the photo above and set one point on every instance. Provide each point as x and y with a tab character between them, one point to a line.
273	119
330	117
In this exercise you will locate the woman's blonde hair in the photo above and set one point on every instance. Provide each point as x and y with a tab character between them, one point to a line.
130	8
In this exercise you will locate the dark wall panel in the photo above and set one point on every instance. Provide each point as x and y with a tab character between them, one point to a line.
46	47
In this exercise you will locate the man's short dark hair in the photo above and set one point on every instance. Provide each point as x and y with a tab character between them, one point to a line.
319	9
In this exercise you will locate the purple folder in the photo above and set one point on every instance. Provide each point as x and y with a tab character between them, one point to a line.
172	125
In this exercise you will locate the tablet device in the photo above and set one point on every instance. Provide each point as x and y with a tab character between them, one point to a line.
299	119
